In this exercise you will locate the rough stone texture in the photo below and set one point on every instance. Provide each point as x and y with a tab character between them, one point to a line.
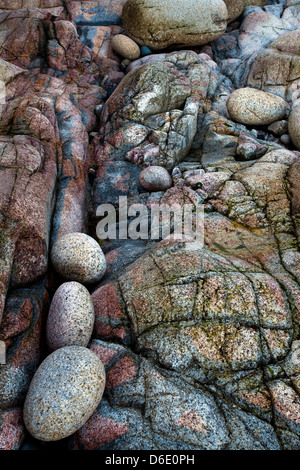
71	317
184	23
262	53
155	178
294	126
279	127
200	346
99	40
44	142
12	429
213	318
255	107
63	394
236	7
50	93
78	257
152	118
96	12
21	331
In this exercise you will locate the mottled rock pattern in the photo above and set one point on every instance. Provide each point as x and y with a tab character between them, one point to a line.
182	24
232	306
152	118
64	392
219	316
96	12
12	429
78	257
255	107
71	317
21	331
155	178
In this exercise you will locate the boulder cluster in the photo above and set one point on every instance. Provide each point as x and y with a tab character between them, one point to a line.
131	343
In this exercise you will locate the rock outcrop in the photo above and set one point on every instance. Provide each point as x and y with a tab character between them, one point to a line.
200	343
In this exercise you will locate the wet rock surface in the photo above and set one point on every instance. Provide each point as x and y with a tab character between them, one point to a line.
200	345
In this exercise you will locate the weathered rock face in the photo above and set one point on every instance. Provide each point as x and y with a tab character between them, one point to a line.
223	324
236	7
152	118
252	55
185	23
40	122
200	345
44	117
11	429
21	331
209	322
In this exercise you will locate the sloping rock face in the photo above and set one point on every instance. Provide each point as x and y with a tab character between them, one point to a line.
46	114
200	344
207	333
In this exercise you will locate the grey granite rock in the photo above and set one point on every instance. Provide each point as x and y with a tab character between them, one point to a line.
64	392
71	317
255	107
155	178
185	23
78	257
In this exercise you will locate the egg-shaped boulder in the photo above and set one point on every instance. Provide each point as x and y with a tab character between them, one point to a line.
71	317
64	392
155	178
255	107
125	47
294	126
78	257
158	24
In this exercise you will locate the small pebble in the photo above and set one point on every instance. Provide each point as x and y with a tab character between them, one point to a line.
71	317
125	47
145	51
98	109
78	257
155	178
63	394
124	64
285	139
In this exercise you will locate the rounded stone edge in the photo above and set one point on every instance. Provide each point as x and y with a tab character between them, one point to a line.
52	346
35	380
76	277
